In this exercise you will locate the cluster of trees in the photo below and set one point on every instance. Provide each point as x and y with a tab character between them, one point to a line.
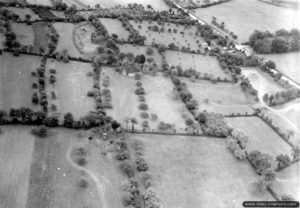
281	97
134	35
213	124
237	143
40	131
106	94
163	126
281	42
186	97
236	59
53	38
222	26
261	161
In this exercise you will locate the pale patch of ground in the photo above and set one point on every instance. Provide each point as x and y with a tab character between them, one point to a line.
288	181
261	136
292	113
16	150
201	63
16	80
71	88
24	33
66	39
82	37
192	171
242	17
114	26
188	39
221	98
287	63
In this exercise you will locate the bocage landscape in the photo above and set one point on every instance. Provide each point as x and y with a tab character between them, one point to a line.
149	103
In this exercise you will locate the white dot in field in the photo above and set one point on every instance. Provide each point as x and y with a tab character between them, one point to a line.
64	174
58	168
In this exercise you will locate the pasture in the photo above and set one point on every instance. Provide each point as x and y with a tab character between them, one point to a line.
83	41
66	38
288	181
261	136
287	63
206	65
292	112
22	12
71	88
114	26
221	98
54	179
16	80
162	101
138	50
249	13
167	33
41	36
186	172
24	33
16	152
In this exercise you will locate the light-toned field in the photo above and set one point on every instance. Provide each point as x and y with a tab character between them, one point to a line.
114	26
71	88
161	100
192	171
66	39
261	136
22	12
124	100
59	14
188	40
288	181
16	80
203	64
261	81
221	98
287	63
16	150
44	2
24	33
54	178
137	50
82	38
291	112
249	13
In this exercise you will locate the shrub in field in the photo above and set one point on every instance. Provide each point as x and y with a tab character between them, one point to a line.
138	84
81	161
145	124
127	168
143	106
123	155
141	164
140	91
52	79
261	161
132	197
283	160
52	71
83	184
34	86
144	115
51	121
53	95
151	199
91	93
149	51
41	131
68	120
142	98
35	98
164	126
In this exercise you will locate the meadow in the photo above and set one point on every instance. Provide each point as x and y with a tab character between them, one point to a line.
241	17
71	88
186	172
114	26
24	33
82	38
41	36
221	98
208	65
180	36
261	136
22	12
16	80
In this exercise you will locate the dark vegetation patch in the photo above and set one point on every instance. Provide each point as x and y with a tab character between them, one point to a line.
41	36
44	13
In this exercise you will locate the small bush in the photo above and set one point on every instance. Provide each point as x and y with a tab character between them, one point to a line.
81	161
143	106
127	168
83	184
53	107
41	131
141	164
91	94
140	91
52	71
144	115
142	98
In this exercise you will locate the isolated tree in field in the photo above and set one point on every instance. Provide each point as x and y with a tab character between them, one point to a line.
68	120
35	98
283	160
27	17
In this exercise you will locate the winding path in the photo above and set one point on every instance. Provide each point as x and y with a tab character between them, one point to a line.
100	186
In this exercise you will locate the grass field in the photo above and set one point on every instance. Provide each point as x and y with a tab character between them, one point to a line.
261	81
66	39
22	12
249	13
16	150
220	98
45	2
261	136
54	180
24	33
16	80
41	36
192	171
288	181
114	26
287	63
71	88
83	40
124	100
203	64
137	50
161	100
188	40
292	113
